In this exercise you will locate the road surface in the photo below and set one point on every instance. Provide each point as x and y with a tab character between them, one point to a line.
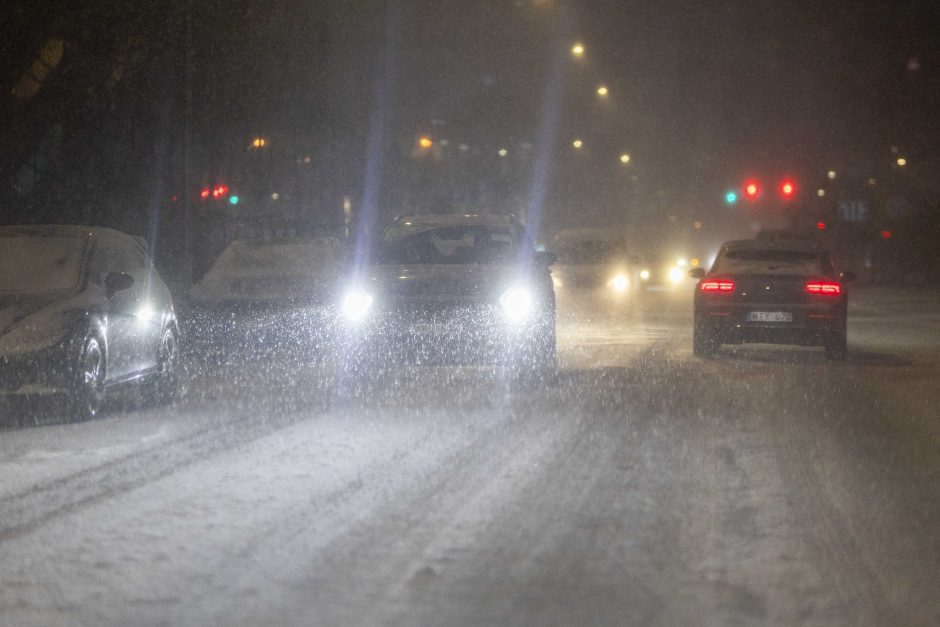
644	486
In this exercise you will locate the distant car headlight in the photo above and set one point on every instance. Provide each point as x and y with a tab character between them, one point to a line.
644	275
356	304
518	304
620	283
676	274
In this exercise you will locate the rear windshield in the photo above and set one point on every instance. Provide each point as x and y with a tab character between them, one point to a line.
771	262
589	252
475	244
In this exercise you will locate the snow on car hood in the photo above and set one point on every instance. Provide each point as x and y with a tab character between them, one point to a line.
32	322
262	271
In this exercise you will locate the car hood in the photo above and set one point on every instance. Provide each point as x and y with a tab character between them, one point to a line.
33	322
472	282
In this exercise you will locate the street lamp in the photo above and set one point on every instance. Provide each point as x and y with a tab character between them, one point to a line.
902	162
577	144
259	142
624	158
831	174
602	91
577	50
425	142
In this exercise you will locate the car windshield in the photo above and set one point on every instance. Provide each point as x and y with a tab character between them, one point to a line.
449	245
589	253
770	261
35	265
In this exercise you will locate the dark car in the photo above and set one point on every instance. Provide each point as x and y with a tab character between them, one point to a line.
82	310
446	289
775	291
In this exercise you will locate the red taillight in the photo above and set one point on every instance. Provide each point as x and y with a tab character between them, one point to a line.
828	288
717	285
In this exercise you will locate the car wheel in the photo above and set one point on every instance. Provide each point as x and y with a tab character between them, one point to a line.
167	378
704	343
837	348
88	396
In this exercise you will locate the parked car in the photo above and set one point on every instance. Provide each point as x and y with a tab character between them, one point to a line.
266	297
82	311
771	290
444	289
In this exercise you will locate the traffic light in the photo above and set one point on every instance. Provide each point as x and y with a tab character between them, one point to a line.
821	225
787	189
751	190
731	197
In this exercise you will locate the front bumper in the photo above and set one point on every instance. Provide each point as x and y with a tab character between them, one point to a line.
443	336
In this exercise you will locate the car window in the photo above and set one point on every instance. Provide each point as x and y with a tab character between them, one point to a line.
450	245
770	261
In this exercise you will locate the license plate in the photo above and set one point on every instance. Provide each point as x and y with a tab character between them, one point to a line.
770	316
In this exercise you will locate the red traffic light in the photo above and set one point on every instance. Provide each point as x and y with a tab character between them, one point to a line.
787	188
886	234
821	226
205	193
751	190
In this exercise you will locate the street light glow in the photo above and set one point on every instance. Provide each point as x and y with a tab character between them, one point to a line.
831	174
259	142
577	144
577	50
425	142
820	192
902	161
503	152
624	158
602	91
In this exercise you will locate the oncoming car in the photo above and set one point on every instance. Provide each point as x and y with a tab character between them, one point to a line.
82	310
451	289
594	259
771	291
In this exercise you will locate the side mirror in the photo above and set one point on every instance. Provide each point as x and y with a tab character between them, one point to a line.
545	258
697	273
117	282
847	276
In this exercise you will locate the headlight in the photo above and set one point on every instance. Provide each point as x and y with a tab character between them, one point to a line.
355	305
518	304
557	282
620	283
644	275
676	274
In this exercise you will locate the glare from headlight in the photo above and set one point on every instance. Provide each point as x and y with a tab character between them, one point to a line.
644	275
620	283
518	304
557	282
682	262
676	274
356	304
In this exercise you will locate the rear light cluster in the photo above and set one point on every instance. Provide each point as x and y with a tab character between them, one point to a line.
828	288
718	285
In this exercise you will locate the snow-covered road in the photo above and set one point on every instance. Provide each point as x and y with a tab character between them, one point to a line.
644	487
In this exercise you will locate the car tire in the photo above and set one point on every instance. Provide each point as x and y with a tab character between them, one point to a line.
837	348
87	397
704	343
167	383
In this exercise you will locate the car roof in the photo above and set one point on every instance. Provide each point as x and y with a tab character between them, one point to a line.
456	219
794	244
69	230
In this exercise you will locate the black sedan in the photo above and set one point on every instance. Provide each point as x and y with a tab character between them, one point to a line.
772	291
451	289
82	310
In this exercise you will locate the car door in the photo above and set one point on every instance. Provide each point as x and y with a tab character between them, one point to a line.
120	309
148	307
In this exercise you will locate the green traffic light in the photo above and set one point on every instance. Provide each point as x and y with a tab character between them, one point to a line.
731	198
233	199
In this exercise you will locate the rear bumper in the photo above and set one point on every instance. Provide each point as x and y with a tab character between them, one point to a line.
811	324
